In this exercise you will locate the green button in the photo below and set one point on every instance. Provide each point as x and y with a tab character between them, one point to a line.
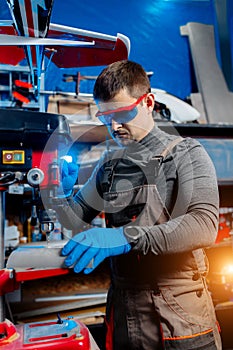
18	157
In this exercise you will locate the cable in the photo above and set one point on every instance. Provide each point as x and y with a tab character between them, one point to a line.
9	178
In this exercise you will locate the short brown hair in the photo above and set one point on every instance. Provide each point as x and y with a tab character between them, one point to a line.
121	75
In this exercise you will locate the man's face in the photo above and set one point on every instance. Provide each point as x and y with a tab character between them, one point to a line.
128	119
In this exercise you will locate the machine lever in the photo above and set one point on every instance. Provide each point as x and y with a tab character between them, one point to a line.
59	320
33	216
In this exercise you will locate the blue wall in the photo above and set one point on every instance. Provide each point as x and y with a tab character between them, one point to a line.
153	27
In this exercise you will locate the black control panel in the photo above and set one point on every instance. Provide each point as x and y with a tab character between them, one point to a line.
26	134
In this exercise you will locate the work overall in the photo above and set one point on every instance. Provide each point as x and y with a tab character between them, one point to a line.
155	301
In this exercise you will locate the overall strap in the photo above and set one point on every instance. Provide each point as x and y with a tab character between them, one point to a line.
170	146
156	161
109	166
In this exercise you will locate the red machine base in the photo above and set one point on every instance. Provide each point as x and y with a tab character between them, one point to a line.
69	334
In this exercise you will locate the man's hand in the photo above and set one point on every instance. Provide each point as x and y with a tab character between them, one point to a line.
93	246
69	174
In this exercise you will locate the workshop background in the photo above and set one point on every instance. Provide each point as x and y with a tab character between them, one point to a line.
153	27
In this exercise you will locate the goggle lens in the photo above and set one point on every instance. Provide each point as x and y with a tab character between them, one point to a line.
119	117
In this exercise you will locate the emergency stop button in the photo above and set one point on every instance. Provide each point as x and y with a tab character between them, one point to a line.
13	157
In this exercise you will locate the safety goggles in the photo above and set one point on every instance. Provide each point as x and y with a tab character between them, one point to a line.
120	115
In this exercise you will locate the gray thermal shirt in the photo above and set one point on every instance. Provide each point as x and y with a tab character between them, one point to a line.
186	182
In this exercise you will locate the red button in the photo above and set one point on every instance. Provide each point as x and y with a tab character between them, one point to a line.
8	157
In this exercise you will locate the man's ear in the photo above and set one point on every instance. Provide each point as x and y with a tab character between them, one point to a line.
150	101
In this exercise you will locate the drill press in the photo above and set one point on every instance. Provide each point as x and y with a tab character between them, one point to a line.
29	151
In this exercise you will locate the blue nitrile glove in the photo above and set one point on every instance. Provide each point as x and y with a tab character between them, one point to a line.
93	246
69	174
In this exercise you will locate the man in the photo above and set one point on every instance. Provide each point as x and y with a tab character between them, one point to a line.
160	198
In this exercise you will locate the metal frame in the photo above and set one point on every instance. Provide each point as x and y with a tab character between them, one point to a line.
217	99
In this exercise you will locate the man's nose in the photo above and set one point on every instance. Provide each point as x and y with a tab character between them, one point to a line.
115	125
